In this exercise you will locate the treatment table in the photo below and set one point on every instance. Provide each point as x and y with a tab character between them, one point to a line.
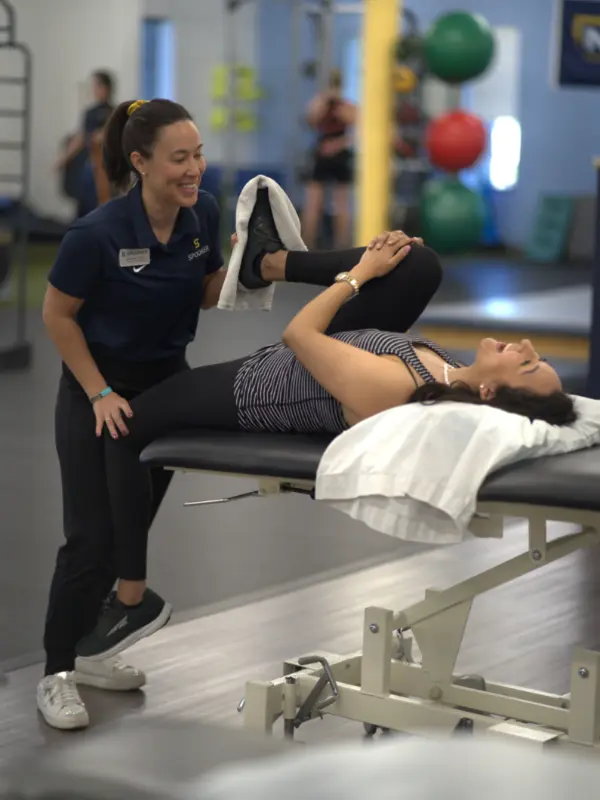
382	686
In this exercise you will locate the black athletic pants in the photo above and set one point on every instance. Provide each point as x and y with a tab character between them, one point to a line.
85	568
110	499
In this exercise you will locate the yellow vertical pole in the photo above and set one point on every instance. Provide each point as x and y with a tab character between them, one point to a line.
381	27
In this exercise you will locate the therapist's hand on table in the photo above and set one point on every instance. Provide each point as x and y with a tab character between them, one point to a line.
109	411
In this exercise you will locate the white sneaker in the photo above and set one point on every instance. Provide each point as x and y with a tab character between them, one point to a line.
59	702
111	674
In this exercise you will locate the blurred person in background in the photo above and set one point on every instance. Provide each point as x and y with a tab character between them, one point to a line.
88	140
333	118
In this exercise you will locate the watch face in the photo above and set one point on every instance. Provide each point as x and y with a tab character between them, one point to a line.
341	275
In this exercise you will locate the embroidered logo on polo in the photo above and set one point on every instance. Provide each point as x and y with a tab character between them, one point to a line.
198	251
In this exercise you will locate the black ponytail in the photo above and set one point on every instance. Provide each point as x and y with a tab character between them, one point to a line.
116	165
125	134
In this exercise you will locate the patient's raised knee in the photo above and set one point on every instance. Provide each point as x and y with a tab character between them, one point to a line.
428	262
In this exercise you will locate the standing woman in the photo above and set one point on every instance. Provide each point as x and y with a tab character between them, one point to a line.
332	117
121	307
88	137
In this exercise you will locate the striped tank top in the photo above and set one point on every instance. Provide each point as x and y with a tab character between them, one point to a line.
274	392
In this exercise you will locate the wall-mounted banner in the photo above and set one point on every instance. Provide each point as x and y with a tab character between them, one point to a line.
579	43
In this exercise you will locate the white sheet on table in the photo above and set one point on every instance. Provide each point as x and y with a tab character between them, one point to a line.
414	472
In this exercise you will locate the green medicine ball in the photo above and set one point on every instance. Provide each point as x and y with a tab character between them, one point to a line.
452	216
459	47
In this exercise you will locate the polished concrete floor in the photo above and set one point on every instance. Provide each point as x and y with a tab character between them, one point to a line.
192	548
565	310
256	581
522	634
212	555
503	294
484	278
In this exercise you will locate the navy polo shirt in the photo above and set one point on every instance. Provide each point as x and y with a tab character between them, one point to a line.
138	311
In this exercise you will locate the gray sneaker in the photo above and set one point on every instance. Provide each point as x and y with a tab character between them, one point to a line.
262	238
121	626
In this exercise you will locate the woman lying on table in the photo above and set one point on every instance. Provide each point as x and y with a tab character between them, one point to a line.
343	358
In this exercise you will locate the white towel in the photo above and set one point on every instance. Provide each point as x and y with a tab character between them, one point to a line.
234	296
414	472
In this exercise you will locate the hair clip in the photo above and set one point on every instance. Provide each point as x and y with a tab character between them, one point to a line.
134	106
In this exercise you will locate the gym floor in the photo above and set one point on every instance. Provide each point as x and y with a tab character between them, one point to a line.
521	634
256	582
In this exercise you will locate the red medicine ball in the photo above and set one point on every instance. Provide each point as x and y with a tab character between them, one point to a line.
455	140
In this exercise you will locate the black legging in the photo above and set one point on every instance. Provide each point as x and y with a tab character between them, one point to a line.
203	397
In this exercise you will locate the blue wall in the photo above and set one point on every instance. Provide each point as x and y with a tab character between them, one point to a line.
561	128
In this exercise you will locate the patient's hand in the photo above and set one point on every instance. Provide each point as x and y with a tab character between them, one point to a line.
377	262
393	237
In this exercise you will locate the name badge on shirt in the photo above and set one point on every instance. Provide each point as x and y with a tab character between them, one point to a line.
137	259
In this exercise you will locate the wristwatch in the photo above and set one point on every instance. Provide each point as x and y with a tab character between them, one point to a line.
345	277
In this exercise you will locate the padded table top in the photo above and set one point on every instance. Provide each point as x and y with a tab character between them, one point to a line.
266	454
565	481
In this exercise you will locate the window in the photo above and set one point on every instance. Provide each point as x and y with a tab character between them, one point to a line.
495	98
158	56
505	153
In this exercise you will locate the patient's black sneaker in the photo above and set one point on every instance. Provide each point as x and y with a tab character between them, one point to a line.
262	238
120	626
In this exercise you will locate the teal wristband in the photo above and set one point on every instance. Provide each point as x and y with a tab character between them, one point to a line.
101	394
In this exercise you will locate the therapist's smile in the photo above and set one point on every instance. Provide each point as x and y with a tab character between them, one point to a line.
189	189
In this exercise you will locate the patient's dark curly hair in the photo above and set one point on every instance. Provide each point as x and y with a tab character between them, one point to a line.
556	408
